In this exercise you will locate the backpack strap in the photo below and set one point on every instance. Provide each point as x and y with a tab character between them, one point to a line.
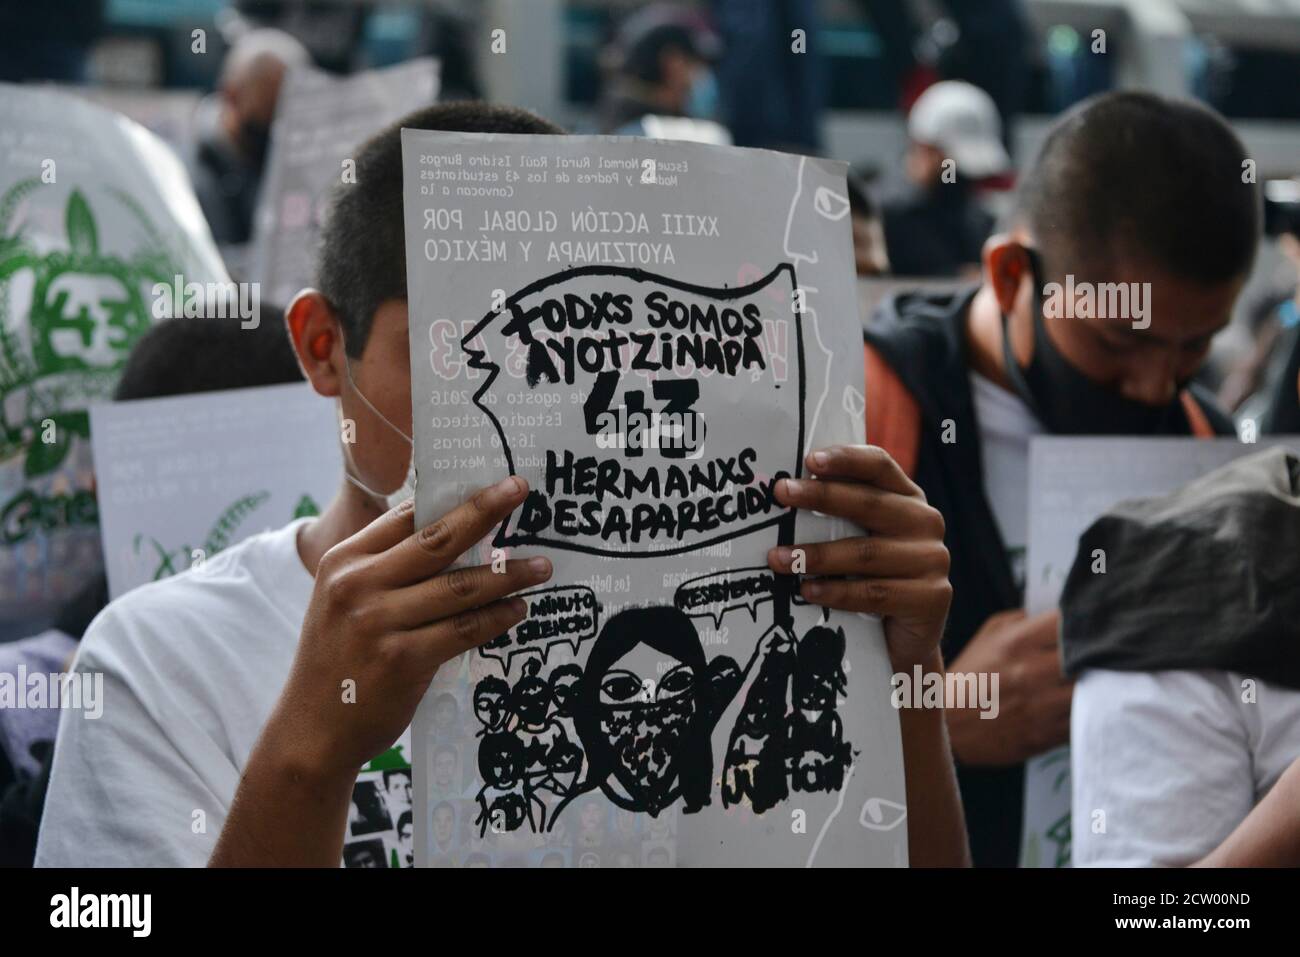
893	415
1196	417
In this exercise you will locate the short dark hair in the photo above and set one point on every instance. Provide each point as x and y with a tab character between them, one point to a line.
361	260
1136	175
180	356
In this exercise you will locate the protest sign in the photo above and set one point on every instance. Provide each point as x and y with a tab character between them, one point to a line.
1072	482
170	115
183	477
651	334
95	212
320	120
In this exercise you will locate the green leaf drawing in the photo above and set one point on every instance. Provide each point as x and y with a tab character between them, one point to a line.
43	458
219	537
390	759
306	507
75	423
82	236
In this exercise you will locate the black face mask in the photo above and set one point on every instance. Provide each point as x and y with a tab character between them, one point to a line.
1065	400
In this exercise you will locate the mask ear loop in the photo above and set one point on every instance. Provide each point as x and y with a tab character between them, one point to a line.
351	468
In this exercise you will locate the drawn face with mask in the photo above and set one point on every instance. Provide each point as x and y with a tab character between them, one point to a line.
646	707
1088	375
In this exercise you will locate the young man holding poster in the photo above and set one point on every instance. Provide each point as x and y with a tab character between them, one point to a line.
246	697
1135	231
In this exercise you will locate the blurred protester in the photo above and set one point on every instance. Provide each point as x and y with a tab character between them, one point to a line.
1187	708
984	43
1131	193
1260	384
227	163
935	226
1281	415
175	357
661	68
771	80
870	257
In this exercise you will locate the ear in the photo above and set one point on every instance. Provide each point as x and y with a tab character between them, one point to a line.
1007	265
317	339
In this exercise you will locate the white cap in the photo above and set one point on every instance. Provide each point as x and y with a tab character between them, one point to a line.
962	122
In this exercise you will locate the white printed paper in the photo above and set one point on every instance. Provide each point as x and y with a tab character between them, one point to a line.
182	478
320	121
667	702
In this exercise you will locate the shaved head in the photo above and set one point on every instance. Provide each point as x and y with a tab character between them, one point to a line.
1140	179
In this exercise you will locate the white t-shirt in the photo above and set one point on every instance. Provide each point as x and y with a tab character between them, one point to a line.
192	667
1170	762
1005	425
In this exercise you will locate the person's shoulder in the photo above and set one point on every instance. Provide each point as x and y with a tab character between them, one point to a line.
230	594
918	331
1130	701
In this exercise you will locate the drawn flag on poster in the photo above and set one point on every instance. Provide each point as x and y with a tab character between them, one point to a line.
95	212
651	334
320	120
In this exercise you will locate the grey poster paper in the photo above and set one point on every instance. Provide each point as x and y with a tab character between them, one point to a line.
1072	482
651	334
95	214
320	120
182	478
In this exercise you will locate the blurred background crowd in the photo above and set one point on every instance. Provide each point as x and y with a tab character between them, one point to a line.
893	87
937	106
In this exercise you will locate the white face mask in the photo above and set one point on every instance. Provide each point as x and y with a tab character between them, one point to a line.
406	490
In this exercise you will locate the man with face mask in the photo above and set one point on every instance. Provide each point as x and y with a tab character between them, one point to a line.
255	689
1133	234
227	163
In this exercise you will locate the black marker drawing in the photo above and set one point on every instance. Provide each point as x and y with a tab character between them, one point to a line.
606	325
644	738
649	742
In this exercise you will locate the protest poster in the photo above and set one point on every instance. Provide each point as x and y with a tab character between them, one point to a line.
651	334
95	212
183	477
1072	482
171	115
320	120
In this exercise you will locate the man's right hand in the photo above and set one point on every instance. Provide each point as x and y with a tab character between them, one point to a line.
1033	695
384	614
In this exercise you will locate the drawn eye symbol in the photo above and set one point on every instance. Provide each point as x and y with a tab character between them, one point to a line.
879	814
620	687
676	682
830	203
